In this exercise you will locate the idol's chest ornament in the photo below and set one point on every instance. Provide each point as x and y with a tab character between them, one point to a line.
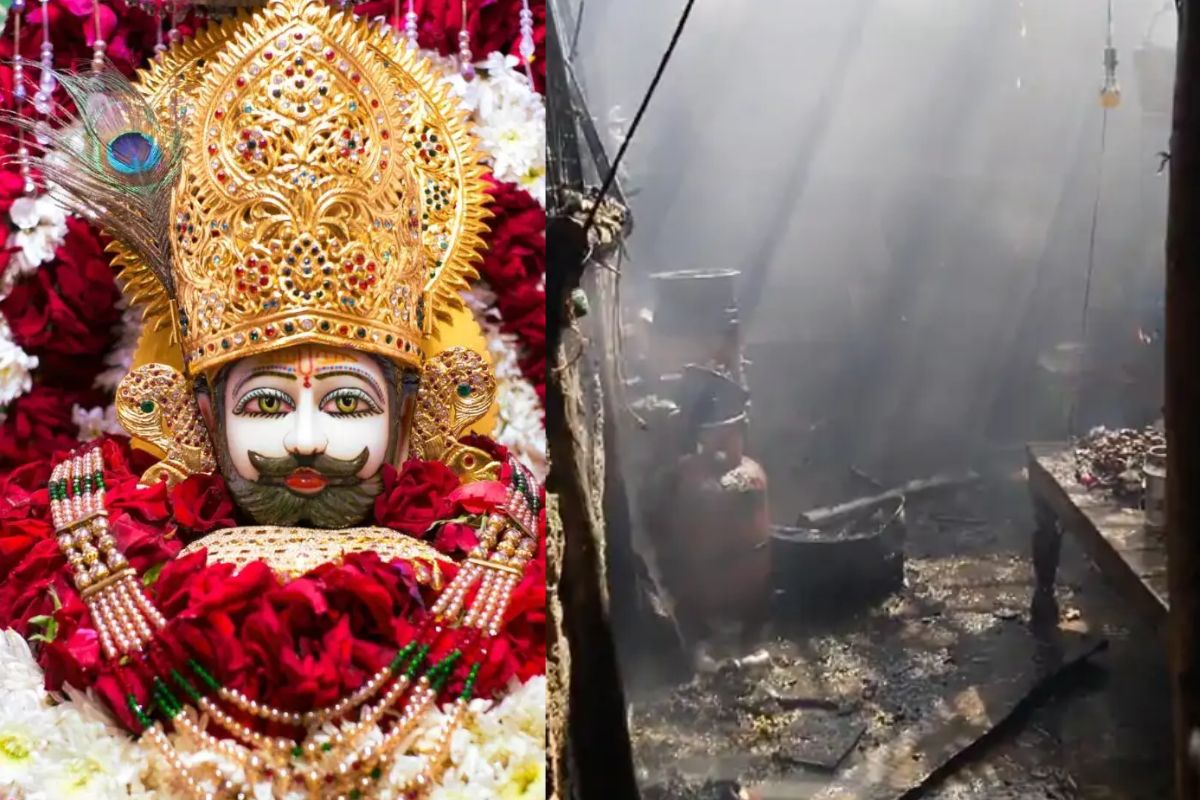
347	763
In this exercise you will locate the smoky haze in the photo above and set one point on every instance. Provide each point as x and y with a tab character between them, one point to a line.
908	188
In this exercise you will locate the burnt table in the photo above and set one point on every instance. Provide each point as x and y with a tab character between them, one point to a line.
1112	535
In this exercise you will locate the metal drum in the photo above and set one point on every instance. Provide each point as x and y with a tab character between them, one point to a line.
695	321
844	564
1154	484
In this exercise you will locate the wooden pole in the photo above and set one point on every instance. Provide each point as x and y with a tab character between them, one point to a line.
1183	398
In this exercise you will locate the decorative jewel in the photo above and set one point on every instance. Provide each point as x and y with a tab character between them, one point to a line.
155	403
465	59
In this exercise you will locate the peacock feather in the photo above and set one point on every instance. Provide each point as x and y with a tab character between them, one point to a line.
114	161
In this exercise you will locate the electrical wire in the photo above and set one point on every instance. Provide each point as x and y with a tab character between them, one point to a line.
575	33
1091	265
637	118
1091	258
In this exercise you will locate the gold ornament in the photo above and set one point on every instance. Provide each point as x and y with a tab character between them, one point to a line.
156	404
457	388
291	552
330	193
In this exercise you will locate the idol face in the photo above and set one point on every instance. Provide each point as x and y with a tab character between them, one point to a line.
302	433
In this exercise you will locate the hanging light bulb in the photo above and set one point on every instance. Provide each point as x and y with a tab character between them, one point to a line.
1110	92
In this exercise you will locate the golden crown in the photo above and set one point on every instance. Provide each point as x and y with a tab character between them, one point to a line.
329	190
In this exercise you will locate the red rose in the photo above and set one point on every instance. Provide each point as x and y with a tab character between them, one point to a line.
455	539
202	504
479	497
415	497
517	246
39	423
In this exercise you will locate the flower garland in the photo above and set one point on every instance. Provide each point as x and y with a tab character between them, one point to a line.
65	746
65	337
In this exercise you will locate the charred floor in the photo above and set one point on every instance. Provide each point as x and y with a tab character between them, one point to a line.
943	689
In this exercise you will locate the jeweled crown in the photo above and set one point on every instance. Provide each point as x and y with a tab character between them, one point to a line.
330	191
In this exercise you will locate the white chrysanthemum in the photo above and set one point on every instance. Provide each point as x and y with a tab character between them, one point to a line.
513	135
15	368
499	752
24	735
21	683
41	227
96	422
64	751
508	115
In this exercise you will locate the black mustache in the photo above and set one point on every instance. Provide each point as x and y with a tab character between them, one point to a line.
337	471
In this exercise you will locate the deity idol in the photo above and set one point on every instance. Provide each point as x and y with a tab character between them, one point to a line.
296	203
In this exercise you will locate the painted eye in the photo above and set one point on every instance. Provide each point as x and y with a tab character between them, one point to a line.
349	402
265	402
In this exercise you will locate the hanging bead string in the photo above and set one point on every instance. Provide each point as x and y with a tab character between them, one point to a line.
526	47
98	44
410	26
19	95
496	564
159	46
466	61
44	99
125	618
173	34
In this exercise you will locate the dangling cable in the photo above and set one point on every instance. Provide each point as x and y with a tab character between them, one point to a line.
637	118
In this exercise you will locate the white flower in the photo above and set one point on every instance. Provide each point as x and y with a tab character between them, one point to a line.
64	751
24	733
514	136
508	115
20	676
499	753
41	227
96	422
15	368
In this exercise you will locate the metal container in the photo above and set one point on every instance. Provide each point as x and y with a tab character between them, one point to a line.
695	321
843	565
711	537
1154	485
